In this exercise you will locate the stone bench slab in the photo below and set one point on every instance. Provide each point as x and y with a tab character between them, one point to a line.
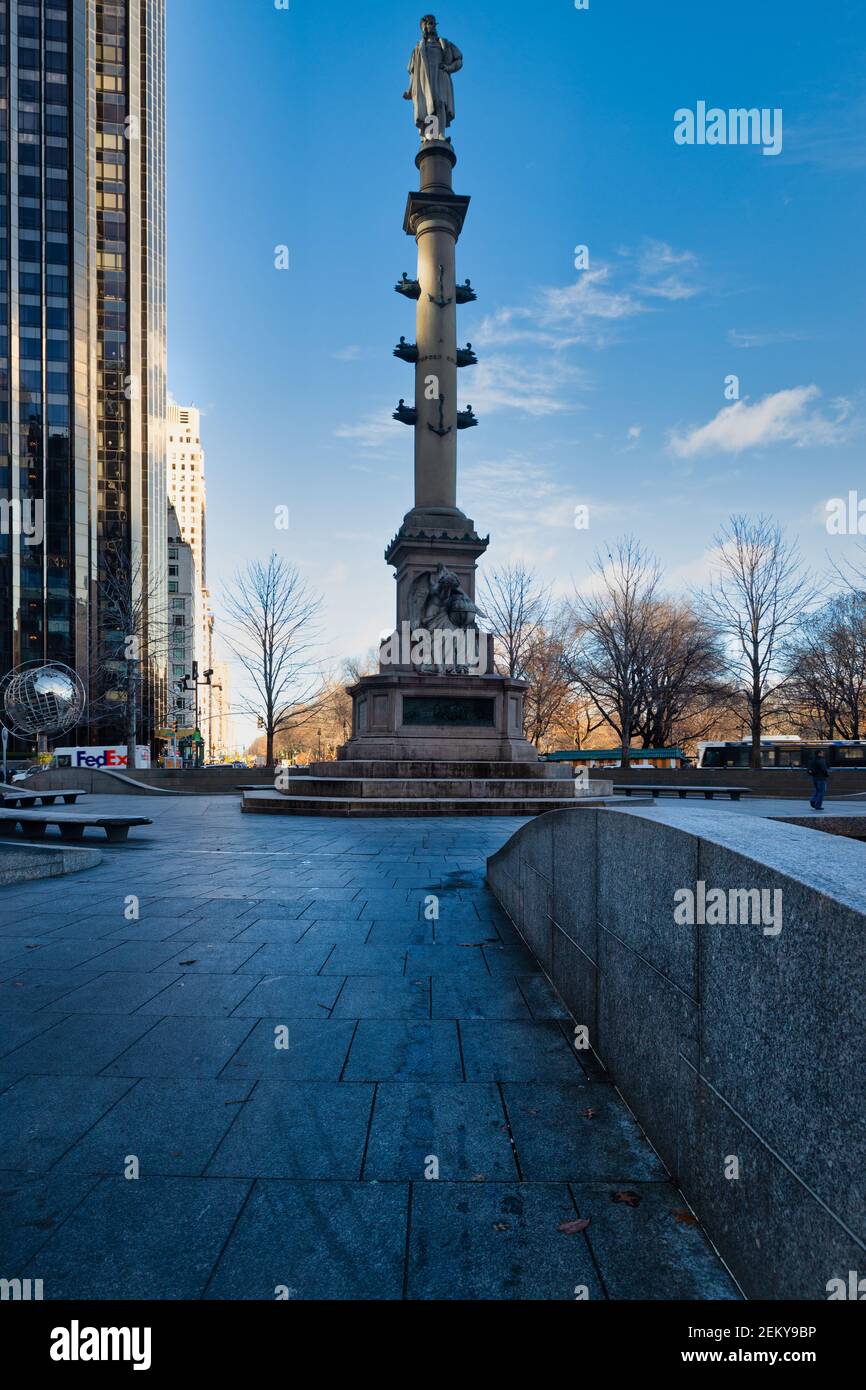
666	789
72	824
17	796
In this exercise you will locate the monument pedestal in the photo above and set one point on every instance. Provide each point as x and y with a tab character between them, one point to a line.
408	716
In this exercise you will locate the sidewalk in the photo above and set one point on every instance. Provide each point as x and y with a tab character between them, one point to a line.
287	1045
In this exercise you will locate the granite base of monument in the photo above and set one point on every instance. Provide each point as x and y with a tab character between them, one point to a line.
416	788
410	715
432	745
428	745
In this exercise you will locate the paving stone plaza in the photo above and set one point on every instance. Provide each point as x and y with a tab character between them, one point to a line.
286	1045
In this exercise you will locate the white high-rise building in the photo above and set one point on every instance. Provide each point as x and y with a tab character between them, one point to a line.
186	482
221	735
188	494
183	627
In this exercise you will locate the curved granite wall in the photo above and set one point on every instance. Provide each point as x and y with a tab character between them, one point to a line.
739	1042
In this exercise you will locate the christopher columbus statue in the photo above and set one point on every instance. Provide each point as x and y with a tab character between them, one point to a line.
431	91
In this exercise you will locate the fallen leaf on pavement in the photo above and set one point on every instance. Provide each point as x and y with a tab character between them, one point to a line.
684	1216
629	1199
573	1228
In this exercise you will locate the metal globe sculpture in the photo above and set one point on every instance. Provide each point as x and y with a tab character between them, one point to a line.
41	698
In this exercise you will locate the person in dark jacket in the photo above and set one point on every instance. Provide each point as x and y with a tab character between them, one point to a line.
820	774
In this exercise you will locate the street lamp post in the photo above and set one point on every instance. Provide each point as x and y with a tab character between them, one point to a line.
195	682
192	682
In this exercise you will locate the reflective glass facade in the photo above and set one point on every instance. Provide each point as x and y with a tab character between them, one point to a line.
82	321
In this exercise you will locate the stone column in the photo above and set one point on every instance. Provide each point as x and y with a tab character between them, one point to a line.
435	217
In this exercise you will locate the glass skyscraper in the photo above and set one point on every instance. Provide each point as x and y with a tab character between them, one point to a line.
82	328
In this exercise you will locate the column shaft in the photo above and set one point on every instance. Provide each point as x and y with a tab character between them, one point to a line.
436	371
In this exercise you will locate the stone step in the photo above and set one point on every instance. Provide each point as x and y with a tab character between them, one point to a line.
442	768
431	788
269	803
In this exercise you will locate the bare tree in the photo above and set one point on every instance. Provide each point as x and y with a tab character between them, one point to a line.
578	719
132	633
272	631
826	666
549	691
756	600
356	666
613	628
516	605
335	709
683	686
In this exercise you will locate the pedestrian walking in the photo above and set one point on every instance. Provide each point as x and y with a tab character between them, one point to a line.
820	774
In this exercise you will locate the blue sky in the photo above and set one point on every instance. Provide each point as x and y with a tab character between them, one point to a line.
602	387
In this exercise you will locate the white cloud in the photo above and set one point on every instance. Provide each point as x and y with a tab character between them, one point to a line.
531	513
835	140
560	317
589	297
633	435
695	573
372	433
601	298
782	417
758	340
665	273
498	383
348	354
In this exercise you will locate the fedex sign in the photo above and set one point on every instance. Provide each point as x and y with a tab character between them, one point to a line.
111	757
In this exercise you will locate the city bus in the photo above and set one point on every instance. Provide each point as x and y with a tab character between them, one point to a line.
784	751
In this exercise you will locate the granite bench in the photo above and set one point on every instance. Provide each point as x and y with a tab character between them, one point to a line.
71	824
17	796
669	789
